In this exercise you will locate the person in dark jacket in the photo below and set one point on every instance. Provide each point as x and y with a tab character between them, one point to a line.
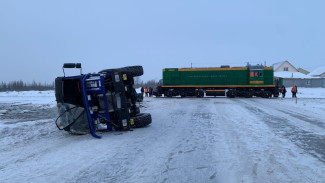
150	91
283	91
142	90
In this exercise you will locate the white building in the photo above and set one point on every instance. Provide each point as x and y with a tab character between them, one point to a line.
284	66
319	72
290	76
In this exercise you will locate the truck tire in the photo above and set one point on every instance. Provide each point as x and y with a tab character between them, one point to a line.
131	71
141	120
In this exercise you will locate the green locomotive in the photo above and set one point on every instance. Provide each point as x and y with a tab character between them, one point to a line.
249	81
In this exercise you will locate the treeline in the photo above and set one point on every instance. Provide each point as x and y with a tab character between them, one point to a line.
138	83
22	86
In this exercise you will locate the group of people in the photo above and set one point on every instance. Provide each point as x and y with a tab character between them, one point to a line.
147	91
294	91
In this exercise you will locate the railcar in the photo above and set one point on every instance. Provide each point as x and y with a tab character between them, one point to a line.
248	81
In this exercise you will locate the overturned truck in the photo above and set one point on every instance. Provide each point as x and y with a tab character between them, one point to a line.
102	101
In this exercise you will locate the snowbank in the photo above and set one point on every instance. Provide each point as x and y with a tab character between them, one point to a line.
308	92
49	93
29	97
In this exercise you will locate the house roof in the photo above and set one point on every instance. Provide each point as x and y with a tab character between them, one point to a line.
318	71
303	71
296	75
279	64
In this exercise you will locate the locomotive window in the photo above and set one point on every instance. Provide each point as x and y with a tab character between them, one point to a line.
256	74
260	73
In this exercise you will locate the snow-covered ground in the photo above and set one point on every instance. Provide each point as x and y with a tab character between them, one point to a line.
189	140
29	97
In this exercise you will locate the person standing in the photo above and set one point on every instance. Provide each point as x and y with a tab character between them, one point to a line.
142	90
283	91
294	91
146	92
150	91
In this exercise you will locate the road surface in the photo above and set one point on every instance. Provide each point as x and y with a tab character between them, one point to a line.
189	140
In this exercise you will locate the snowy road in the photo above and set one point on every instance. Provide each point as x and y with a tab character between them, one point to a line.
189	140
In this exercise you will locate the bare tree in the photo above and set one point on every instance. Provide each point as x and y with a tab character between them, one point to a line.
138	82
21	86
151	83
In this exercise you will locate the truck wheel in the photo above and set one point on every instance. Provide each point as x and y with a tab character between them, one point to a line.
131	71
141	120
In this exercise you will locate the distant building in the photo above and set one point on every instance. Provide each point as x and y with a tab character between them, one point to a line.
319	72
289	76
301	80
303	71
284	66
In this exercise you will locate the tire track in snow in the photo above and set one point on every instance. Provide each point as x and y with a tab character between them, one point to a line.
313	144
293	113
239	145
192	156
271	158
150	154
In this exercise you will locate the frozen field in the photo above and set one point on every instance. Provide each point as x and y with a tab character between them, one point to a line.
189	140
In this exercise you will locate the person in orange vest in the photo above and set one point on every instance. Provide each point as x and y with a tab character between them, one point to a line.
294	91
146	91
283	91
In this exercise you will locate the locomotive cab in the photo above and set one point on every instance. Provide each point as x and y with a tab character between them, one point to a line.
256	75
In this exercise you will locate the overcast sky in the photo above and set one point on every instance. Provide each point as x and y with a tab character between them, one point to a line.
37	37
